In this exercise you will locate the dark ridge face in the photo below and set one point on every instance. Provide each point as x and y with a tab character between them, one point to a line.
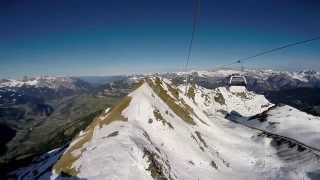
11	113
314	175
6	134
304	99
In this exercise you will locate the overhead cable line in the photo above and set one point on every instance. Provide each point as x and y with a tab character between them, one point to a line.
241	60
196	15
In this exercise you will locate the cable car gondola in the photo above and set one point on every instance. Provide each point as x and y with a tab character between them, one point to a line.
237	80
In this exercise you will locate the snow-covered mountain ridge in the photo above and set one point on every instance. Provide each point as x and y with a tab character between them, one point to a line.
258	80
159	131
304	75
43	81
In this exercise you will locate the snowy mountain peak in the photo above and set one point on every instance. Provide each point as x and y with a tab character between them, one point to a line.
43	81
160	131
253	72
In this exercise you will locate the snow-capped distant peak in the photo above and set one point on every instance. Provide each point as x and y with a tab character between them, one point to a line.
17	83
43	81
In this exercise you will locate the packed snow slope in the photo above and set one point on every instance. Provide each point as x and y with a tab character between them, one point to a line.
161	132
289	122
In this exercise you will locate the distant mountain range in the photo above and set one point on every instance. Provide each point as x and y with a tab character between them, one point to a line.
298	89
43	113
46	82
258	80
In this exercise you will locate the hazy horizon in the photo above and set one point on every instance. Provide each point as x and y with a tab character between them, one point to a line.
145	73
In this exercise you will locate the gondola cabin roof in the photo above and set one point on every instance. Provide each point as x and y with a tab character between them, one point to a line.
237	80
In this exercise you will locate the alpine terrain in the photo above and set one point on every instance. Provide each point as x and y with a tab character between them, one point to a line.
165	130
43	113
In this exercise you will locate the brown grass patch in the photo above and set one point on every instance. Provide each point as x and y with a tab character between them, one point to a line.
191	92
137	84
243	95
159	117
219	99
181	110
64	164
174	91
115	113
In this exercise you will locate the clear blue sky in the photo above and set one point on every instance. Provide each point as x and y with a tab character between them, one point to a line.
81	37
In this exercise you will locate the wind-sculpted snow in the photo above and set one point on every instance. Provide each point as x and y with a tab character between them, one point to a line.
228	99
289	122
154	140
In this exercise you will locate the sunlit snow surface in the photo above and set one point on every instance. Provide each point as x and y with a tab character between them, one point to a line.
214	148
290	122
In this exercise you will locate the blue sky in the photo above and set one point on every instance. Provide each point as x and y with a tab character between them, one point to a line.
78	37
